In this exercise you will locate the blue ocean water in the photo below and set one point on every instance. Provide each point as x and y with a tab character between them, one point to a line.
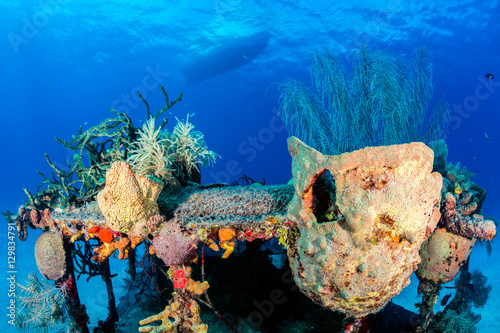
66	63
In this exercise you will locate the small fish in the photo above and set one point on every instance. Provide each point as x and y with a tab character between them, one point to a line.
489	76
244	56
85	123
445	300
487	137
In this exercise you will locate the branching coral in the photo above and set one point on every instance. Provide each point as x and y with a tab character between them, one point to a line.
103	144
183	312
354	218
480	293
455	321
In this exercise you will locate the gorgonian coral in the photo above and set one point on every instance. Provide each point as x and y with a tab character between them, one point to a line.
149	154
188	148
169	156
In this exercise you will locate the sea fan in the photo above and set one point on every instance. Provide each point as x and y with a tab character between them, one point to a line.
460	321
42	306
381	102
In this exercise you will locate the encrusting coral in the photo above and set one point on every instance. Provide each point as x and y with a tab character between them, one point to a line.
125	213
226	241
223	215
123	244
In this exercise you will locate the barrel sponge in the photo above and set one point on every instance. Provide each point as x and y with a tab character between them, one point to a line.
443	254
362	218
50	255
440	154
128	200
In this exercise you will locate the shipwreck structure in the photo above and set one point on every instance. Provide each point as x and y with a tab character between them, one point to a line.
353	224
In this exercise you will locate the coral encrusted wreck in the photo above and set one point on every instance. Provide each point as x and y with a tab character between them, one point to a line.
362	218
353	224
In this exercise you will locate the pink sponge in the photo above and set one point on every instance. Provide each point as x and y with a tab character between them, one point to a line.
173	245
